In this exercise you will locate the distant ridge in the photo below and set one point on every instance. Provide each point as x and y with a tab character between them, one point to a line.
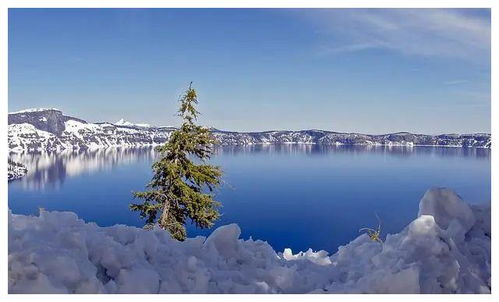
34	110
122	122
48	130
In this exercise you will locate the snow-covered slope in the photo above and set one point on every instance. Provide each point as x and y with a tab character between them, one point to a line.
76	134
445	250
49	130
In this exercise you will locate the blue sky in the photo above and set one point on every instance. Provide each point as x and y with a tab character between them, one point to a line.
370	71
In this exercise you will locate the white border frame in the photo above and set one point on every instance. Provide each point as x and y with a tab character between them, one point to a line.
5	4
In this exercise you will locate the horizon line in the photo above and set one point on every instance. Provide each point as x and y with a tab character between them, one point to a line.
256	131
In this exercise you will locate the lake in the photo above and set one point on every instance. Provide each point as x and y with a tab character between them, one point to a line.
297	196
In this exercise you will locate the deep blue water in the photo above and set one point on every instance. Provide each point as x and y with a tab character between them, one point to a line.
290	195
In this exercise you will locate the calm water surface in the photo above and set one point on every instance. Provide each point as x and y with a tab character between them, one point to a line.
290	195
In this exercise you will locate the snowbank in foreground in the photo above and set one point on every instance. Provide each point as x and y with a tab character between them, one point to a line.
445	250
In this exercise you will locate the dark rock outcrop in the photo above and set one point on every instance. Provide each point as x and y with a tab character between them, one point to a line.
50	120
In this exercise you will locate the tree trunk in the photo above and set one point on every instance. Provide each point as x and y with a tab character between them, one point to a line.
164	216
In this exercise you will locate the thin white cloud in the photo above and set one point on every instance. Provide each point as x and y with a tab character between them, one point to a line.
348	48
424	32
456	82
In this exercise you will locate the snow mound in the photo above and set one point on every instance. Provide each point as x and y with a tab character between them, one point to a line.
445	250
449	211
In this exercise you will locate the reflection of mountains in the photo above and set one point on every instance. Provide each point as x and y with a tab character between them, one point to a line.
49	169
315	149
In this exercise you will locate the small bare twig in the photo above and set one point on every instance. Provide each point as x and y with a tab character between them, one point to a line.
375	235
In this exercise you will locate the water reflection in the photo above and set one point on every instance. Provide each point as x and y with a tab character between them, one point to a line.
267	188
51	170
314	150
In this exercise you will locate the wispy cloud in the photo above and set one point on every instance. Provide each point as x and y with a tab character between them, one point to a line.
456	82
425	32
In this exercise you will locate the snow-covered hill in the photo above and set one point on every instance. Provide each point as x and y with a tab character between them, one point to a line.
446	249
50	130
39	130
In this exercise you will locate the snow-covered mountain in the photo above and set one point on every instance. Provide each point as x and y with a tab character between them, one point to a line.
122	122
50	130
39	130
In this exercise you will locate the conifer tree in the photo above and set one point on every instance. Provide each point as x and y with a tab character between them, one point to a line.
181	189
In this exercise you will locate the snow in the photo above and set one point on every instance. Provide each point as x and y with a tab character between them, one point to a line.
82	131
80	136
122	122
125	129
453	215
78	128
446	249
21	137
26	129
34	110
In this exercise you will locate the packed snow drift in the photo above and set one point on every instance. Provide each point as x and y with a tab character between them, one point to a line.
446	249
